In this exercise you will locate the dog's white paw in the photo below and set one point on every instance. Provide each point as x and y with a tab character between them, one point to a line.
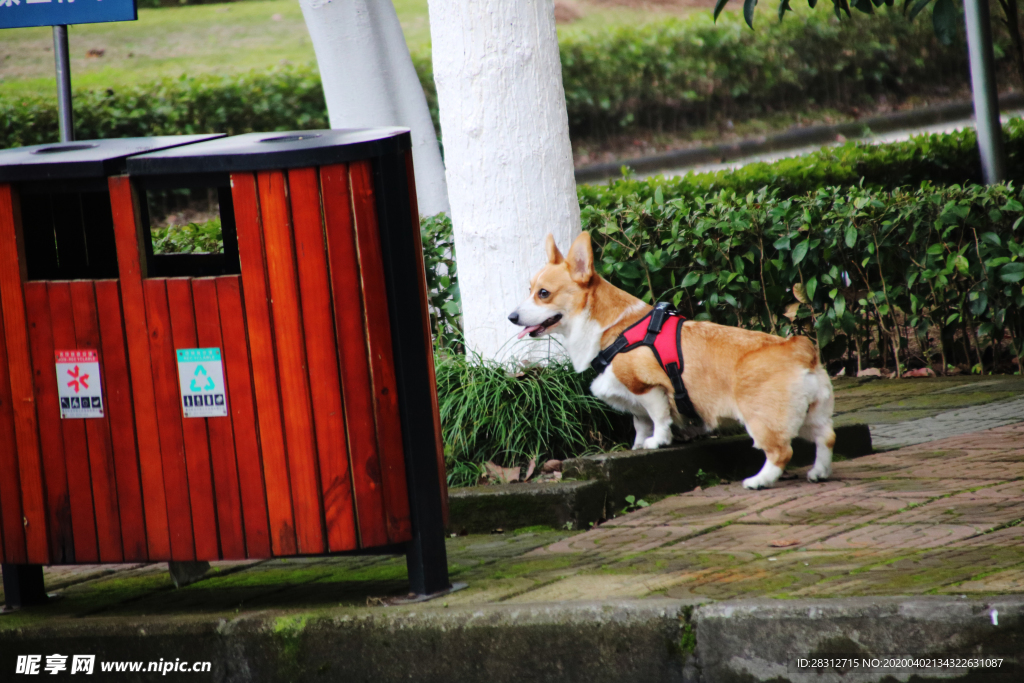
756	482
764	479
654	442
818	473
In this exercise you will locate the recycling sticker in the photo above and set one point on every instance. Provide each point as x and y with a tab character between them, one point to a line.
201	375
78	383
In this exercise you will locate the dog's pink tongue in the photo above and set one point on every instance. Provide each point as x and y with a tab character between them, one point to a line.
528	330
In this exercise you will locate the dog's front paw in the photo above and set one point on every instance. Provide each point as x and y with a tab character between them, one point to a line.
654	442
756	482
819	473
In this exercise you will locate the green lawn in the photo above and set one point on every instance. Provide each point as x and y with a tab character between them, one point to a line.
224	38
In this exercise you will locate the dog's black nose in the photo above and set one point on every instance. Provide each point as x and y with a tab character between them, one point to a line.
513	317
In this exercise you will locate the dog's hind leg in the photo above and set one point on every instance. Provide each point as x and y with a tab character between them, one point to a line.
655	402
777	449
817	426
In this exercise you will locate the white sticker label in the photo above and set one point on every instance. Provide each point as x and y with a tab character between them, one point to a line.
201	375
78	384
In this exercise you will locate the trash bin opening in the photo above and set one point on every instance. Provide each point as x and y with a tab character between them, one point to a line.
74	147
190	227
67	232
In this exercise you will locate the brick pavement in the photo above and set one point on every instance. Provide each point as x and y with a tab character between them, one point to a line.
936	517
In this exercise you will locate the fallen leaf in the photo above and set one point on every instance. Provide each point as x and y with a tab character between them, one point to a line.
529	469
783	543
551	466
504	475
920	372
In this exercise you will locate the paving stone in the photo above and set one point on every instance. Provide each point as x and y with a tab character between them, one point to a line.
1000	538
598	586
987	507
950	423
1007	581
899	536
829	508
612	540
757	538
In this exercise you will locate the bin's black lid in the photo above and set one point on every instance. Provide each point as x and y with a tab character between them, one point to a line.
269	151
82	158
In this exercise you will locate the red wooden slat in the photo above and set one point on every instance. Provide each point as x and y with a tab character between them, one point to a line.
168	410
130	267
243	417
19	363
293	376
101	454
322	355
76	448
12	531
264	365
37	306
222	440
117	391
10	491
353	356
382	364
421	280
197	444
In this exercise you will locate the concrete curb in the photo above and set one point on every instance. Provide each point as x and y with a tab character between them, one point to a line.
482	509
607	479
790	139
591	642
761	640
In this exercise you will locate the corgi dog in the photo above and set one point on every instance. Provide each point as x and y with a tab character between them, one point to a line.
776	388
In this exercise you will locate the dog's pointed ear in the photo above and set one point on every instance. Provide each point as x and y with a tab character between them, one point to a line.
554	256
581	259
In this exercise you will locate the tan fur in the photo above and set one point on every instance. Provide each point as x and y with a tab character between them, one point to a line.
730	373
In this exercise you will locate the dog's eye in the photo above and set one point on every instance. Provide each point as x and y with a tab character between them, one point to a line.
543	294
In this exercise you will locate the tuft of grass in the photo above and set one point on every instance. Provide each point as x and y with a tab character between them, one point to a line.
509	413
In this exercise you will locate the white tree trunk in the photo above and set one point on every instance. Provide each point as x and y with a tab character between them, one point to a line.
369	80
507	151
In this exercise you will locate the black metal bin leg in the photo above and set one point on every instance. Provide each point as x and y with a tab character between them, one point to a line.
426	556
23	585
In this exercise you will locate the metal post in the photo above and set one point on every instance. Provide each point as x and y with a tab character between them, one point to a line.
983	85
62	62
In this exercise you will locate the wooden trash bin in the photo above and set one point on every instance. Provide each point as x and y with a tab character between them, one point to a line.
69	488
282	397
331	439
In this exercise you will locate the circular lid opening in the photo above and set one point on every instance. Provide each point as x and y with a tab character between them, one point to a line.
292	138
65	148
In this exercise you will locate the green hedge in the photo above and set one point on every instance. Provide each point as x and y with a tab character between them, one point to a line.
883	274
281	99
662	75
693	71
944	158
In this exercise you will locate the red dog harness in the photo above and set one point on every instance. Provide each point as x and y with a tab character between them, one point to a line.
661	335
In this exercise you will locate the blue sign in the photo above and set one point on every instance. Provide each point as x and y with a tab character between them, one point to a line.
20	13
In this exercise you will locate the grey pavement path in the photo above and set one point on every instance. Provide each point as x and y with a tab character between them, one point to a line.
892	136
949	423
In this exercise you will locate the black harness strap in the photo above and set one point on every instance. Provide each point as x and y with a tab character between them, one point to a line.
656	318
